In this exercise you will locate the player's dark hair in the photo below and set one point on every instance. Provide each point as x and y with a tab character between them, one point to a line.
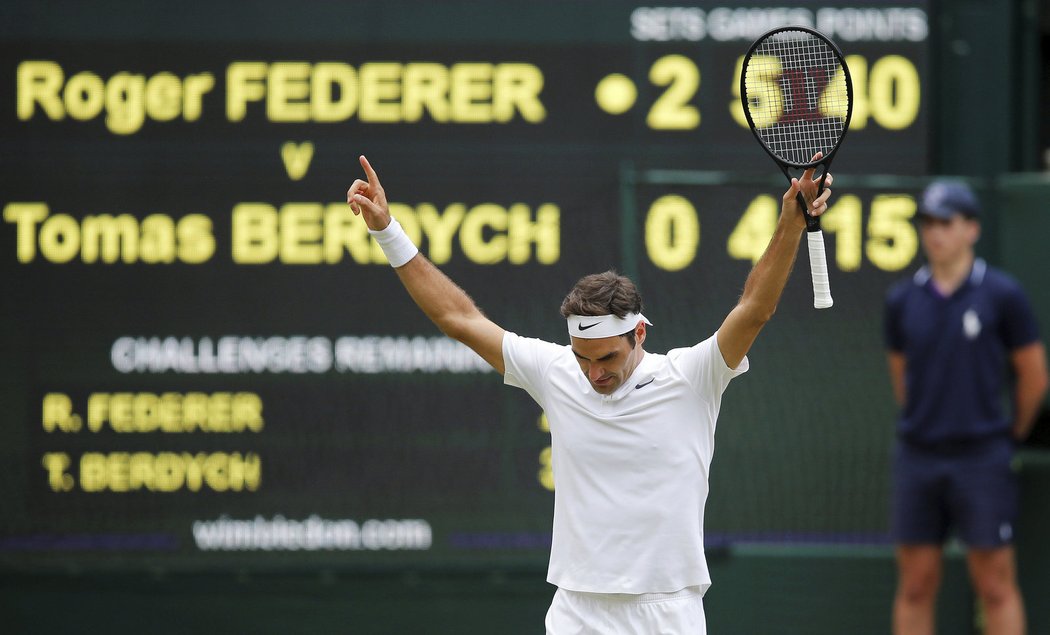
606	293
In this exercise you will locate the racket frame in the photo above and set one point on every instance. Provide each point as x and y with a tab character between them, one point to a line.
812	222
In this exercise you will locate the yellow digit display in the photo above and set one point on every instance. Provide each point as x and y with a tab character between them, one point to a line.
752	233
672	233
888	241
894	90
890	92
672	110
892	240
763	76
843	220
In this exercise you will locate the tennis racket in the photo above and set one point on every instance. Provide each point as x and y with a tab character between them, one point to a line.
798	98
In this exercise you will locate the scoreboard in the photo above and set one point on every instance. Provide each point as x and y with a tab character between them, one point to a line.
206	361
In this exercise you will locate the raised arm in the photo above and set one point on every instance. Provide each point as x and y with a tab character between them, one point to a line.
768	277
447	306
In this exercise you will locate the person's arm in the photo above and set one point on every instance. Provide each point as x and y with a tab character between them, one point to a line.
1029	364
767	279
447	306
897	364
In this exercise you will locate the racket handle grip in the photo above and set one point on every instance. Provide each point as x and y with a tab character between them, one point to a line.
818	268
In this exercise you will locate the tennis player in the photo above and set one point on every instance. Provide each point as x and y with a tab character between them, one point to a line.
632	431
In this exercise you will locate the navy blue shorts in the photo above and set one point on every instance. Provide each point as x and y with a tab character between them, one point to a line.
970	488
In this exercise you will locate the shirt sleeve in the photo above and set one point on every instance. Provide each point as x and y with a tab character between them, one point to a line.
526	361
704	367
1019	326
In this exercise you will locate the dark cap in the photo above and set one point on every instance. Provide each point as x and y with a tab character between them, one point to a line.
943	199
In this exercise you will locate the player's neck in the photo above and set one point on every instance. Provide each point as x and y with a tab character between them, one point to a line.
951	274
637	360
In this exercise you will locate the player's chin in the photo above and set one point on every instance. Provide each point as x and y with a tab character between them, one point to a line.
606	387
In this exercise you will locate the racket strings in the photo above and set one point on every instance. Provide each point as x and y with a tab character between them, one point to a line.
796	95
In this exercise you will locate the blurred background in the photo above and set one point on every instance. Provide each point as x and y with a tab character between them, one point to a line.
221	413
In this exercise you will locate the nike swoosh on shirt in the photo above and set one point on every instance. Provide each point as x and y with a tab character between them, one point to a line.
644	384
584	328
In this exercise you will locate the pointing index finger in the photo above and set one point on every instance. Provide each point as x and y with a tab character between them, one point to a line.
808	174
373	178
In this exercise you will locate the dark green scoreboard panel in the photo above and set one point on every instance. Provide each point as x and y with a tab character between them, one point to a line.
205	360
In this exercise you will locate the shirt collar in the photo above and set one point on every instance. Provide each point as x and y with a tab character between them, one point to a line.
976	277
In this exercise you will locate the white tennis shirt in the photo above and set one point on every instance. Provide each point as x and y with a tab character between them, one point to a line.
631	468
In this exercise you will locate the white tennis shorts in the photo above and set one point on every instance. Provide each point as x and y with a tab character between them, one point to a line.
576	613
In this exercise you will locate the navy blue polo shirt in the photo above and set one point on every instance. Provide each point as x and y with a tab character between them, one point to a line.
957	352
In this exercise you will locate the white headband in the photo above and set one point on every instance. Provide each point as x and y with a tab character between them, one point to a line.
592	327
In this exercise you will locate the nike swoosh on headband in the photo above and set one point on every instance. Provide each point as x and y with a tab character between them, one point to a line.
599	326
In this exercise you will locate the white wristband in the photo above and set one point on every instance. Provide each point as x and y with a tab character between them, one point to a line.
396	244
